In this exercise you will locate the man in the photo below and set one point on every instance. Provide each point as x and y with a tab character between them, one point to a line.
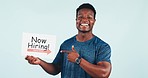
83	55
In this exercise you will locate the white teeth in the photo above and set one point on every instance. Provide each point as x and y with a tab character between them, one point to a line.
84	24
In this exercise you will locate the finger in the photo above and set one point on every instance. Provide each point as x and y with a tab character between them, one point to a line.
30	59
73	49
65	51
27	57
33	60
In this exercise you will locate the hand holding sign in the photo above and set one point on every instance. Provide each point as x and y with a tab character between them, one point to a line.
33	60
72	55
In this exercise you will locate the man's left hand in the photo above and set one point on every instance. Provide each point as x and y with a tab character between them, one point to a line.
72	55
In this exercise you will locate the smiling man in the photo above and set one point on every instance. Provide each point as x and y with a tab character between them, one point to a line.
82	56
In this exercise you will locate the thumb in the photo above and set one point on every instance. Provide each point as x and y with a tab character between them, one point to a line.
73	49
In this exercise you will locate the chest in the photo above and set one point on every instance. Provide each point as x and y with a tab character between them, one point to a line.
87	52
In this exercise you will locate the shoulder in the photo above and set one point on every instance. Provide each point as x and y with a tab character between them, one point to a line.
101	43
69	41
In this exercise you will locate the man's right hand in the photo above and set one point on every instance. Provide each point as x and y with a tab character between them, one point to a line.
48	67
33	60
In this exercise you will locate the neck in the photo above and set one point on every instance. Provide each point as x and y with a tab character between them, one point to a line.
82	37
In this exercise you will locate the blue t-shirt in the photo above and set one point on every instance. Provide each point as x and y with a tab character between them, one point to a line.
93	50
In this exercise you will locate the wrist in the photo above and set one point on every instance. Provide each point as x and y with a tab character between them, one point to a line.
78	60
39	61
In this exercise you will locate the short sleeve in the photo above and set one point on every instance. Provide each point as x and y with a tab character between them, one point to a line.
58	59
104	53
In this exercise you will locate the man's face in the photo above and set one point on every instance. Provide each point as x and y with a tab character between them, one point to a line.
85	20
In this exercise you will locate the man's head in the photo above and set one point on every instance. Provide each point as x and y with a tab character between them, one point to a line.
85	17
87	6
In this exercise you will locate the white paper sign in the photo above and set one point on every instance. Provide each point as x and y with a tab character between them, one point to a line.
38	45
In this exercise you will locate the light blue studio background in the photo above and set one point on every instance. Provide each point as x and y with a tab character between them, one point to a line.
121	23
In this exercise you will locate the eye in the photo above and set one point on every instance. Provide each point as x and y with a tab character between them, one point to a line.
79	17
90	17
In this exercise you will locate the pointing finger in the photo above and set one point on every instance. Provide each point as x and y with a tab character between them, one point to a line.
65	51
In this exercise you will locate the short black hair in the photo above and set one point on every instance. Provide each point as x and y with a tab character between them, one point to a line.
88	6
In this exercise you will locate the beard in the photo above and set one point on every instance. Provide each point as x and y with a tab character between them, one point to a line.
84	31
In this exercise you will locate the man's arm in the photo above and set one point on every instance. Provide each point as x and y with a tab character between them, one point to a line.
101	70
48	67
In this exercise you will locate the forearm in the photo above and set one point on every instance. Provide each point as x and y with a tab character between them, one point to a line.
49	67
96	71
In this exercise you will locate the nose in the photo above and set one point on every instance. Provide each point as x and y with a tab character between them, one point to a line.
84	20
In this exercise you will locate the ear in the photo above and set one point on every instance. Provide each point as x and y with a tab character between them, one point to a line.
94	21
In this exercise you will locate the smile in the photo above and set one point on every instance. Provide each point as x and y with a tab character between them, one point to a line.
84	25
